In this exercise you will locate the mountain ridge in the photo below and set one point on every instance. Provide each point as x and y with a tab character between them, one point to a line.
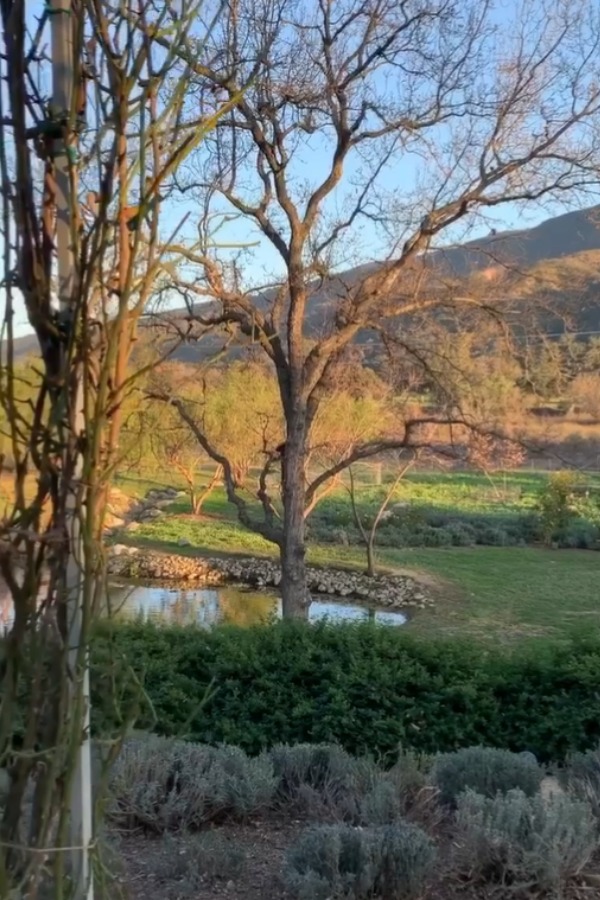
561	253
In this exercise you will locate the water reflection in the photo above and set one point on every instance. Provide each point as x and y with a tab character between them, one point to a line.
233	605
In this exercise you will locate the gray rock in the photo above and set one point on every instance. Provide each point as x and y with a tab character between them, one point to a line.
387	591
528	756
151	514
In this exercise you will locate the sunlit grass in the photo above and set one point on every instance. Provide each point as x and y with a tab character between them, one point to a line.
491	593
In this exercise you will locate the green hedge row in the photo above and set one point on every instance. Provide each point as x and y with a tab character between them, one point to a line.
366	687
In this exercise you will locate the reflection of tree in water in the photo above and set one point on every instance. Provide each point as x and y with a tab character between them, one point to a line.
246	608
193	608
207	607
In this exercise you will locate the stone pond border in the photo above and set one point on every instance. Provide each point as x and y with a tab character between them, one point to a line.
134	563
384	591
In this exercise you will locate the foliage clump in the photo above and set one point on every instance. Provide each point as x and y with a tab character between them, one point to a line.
324	779
367	689
487	771
340	861
531	845
162	784
581	778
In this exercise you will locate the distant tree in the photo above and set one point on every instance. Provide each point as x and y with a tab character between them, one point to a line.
175	452
584	394
478	374
249	443
368	533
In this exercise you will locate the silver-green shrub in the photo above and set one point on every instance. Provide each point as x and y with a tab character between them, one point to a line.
339	861
164	784
323	779
381	805
581	778
530	843
486	771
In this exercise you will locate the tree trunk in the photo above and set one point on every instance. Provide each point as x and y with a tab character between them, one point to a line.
371	556
294	592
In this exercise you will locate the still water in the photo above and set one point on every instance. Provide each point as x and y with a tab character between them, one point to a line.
235	605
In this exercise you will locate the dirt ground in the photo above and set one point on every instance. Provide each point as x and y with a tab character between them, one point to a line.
265	843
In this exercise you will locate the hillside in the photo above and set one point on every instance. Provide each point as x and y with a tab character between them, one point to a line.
558	261
553	239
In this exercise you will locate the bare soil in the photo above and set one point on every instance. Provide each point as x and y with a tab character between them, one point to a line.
265	842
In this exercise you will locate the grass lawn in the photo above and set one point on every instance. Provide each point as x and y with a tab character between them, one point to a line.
508	592
490	592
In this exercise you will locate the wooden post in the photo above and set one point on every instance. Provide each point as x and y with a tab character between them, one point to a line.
63	80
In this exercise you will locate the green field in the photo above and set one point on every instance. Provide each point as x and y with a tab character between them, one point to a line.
491	592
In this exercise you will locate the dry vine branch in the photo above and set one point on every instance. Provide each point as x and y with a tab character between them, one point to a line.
129	127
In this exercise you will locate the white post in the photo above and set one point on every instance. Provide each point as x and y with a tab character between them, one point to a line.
63	76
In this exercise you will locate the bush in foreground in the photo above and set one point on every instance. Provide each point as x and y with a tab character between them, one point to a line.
365	688
325	768
581	778
339	861
325	780
485	770
163	784
530	844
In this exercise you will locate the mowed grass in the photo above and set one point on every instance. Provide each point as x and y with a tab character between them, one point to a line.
492	593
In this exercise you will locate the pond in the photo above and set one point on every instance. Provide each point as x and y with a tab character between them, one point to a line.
208	606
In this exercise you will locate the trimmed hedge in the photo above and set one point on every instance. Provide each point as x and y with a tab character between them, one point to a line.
367	688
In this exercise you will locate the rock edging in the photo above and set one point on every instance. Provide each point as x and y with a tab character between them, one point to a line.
391	591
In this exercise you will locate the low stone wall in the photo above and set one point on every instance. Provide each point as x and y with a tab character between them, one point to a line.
392	591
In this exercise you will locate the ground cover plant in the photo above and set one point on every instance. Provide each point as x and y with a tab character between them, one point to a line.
541	844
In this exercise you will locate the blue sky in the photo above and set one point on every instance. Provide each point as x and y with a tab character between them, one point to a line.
260	262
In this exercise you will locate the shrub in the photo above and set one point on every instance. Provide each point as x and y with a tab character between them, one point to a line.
323	779
581	778
407	855
366	689
527	843
335	861
382	805
163	784
462	534
418	798
322	767
555	503
486	771
493	536
579	535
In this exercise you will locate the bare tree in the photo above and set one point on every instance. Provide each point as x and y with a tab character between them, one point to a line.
369	534
100	169
373	123
174	450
